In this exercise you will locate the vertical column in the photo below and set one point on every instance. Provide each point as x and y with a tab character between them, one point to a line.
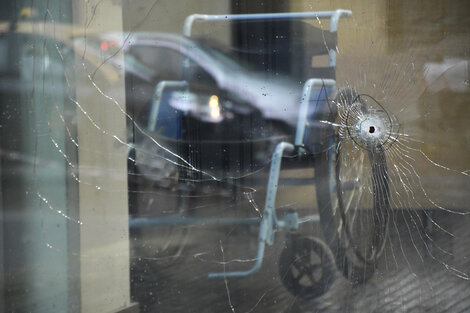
101	130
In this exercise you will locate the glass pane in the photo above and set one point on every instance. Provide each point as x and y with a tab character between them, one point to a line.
243	156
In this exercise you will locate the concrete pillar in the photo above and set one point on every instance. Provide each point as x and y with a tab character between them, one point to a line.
101	130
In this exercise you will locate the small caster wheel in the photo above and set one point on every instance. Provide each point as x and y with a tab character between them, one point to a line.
306	266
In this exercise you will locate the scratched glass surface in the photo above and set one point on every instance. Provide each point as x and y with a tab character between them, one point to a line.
234	156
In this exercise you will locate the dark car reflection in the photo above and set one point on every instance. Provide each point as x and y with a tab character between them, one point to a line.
204	111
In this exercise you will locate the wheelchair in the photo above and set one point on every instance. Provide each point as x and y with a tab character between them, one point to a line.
351	181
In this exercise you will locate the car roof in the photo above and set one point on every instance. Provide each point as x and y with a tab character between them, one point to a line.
209	58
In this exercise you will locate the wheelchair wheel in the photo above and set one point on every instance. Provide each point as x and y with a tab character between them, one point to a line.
353	196
306	266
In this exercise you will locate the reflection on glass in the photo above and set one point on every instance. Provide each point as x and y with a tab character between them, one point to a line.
241	156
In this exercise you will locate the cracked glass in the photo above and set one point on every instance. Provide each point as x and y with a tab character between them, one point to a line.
234	156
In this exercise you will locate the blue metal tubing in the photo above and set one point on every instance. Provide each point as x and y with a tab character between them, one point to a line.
139	222
286	181
303	111
269	221
334	15
166	84
315	218
270	206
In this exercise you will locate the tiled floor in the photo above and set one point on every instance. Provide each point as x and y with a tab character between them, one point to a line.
417	273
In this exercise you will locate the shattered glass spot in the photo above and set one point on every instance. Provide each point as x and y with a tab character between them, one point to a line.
112	180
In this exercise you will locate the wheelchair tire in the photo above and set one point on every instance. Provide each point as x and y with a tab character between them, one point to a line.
306	266
353	200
